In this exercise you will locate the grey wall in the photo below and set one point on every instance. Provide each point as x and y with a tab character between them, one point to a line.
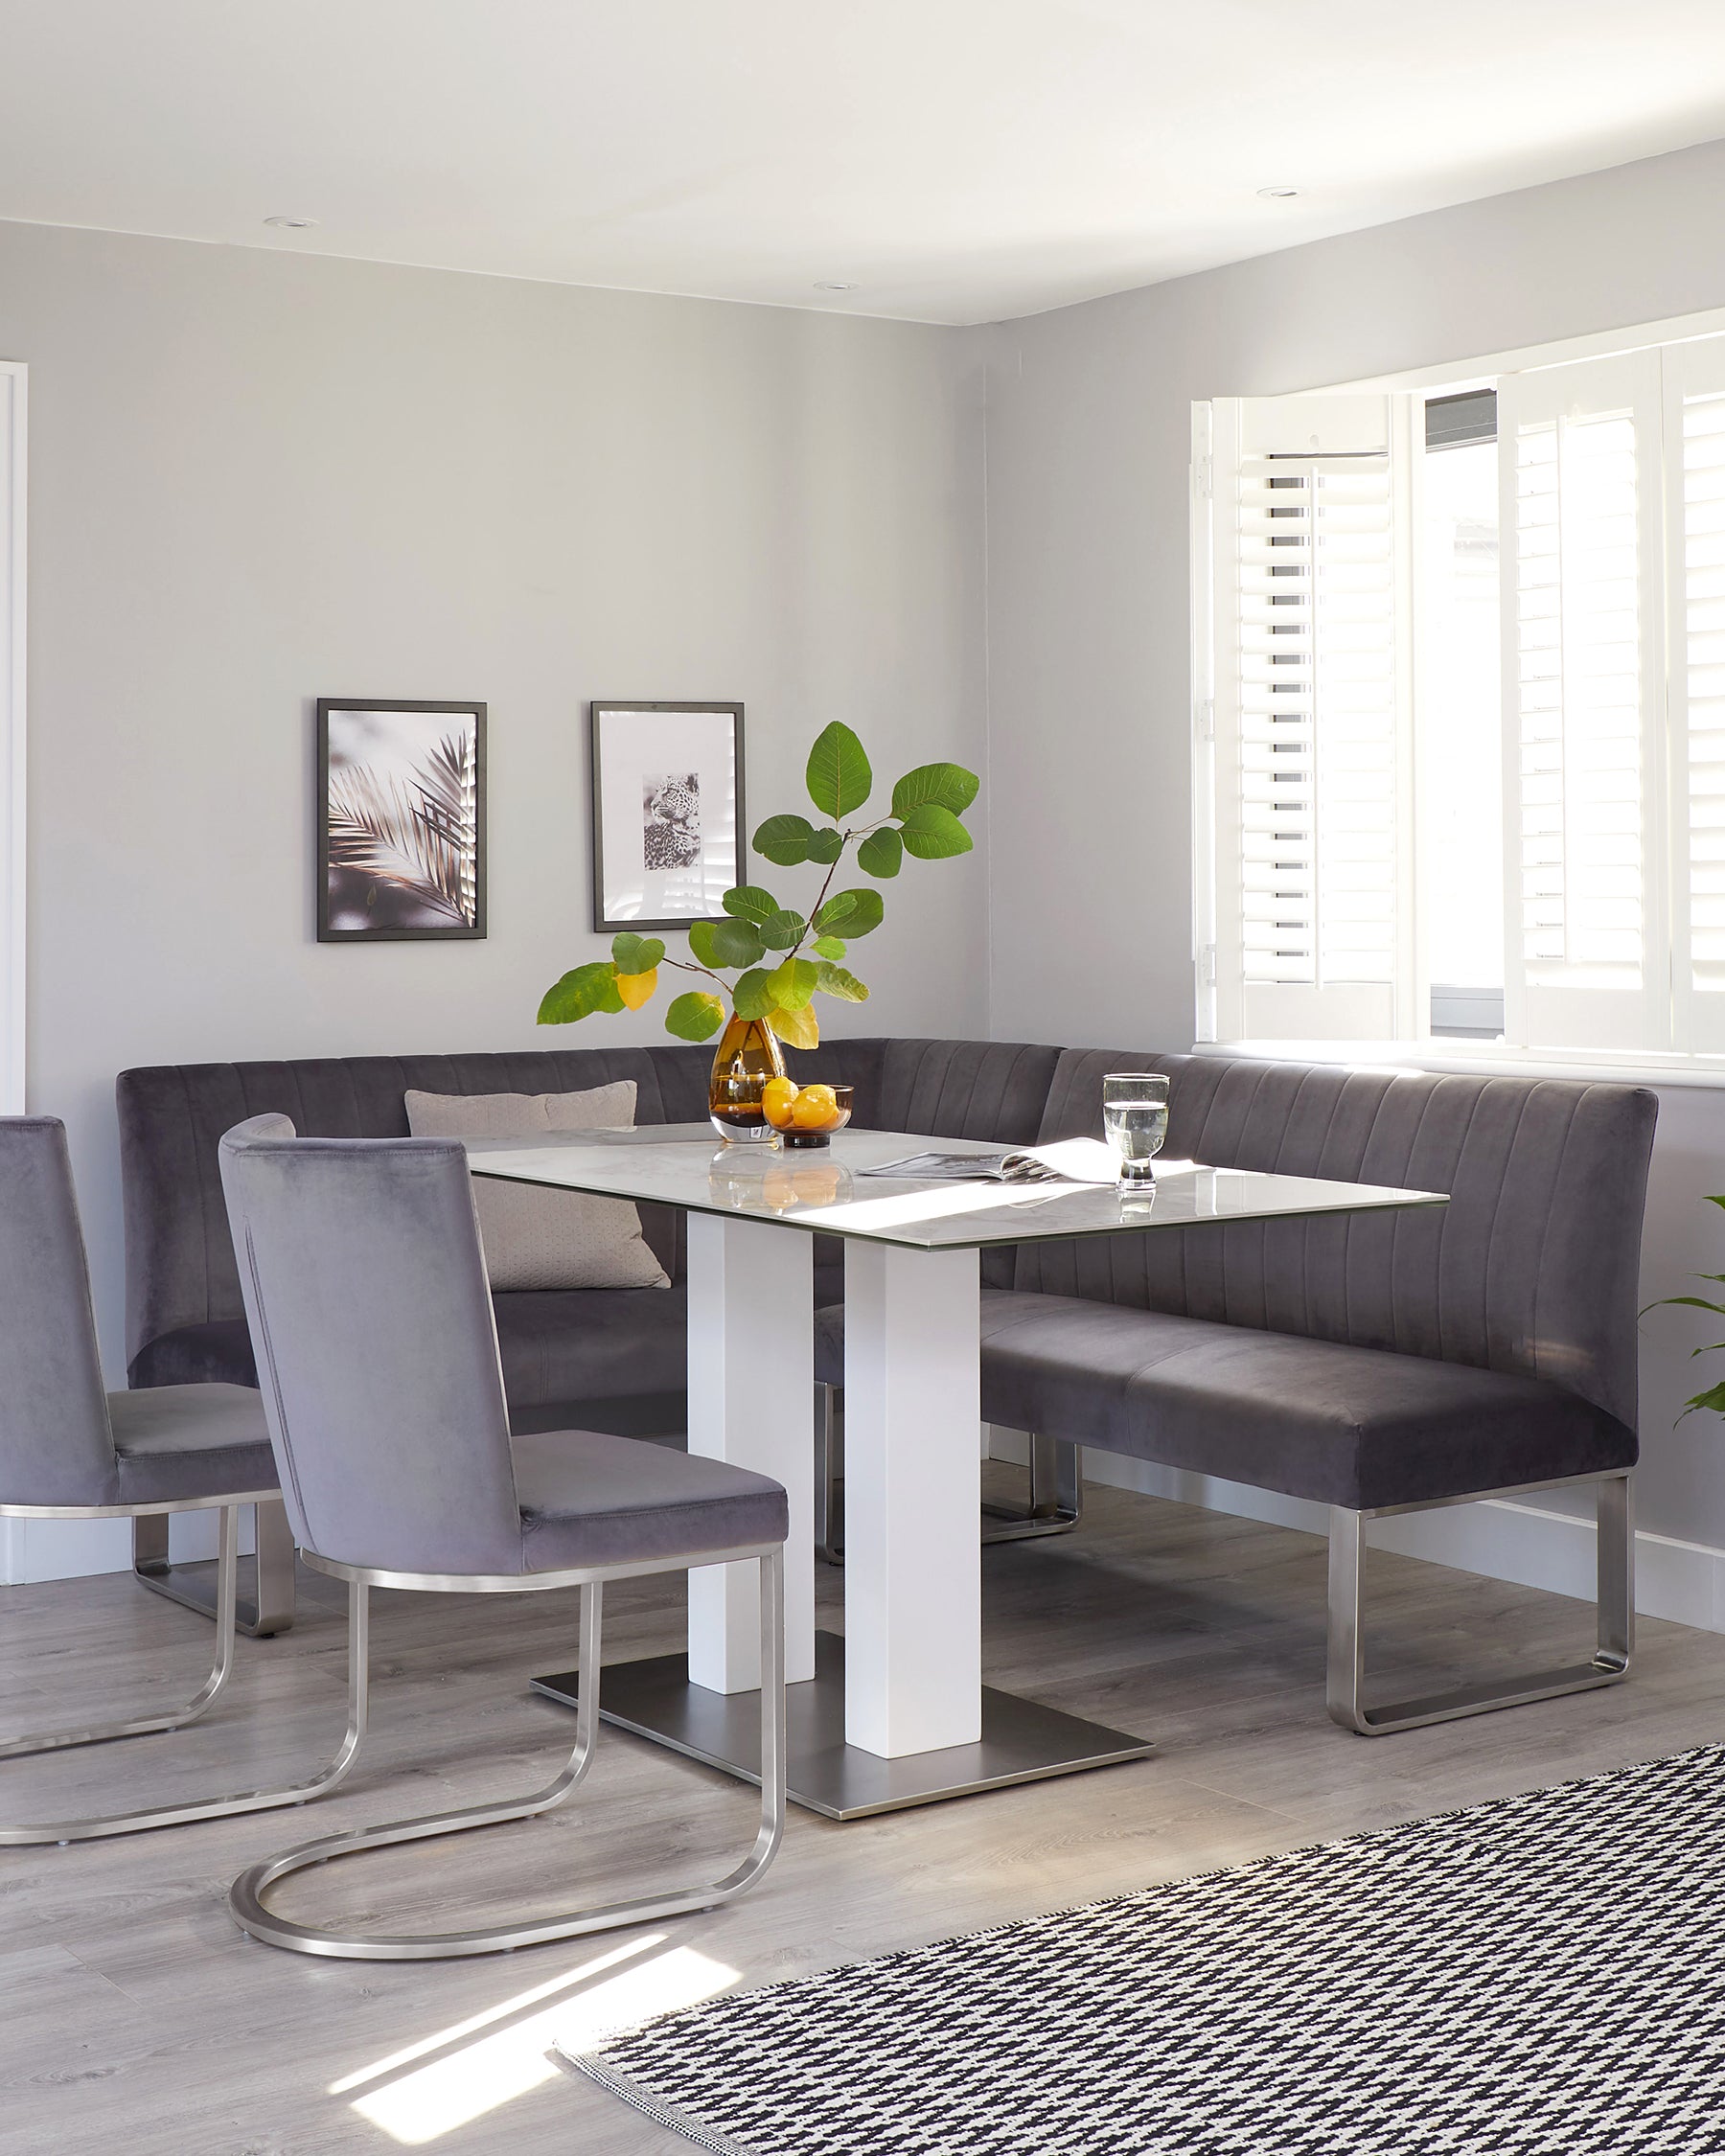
1089	434
257	478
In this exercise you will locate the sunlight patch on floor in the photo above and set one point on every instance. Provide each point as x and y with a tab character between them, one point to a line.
490	2059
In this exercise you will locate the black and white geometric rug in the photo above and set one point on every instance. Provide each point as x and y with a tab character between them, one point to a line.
1542	1976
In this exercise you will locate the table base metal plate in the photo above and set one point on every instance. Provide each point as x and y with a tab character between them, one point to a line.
1020	1741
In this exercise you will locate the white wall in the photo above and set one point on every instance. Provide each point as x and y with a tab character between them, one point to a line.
256	479
1089	638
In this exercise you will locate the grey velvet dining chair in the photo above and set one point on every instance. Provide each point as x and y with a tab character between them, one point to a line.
71	1451
369	1311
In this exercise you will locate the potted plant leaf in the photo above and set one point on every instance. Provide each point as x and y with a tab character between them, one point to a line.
765	962
1714	1396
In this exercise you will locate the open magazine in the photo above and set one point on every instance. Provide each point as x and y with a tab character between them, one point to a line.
1066	1160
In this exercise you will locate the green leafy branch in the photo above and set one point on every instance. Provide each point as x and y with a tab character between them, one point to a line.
762	942
1714	1397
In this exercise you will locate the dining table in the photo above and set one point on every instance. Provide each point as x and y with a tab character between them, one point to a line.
893	1712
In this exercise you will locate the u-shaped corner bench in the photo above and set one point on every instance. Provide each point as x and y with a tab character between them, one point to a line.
1373	1362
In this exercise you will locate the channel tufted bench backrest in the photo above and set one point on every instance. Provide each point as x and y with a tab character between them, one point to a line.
179	1258
1531	1267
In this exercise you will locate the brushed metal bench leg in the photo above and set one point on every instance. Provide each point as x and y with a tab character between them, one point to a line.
178	1718
1056	1486
268	1609
1614	1628
829	1475
1056	1495
246	1902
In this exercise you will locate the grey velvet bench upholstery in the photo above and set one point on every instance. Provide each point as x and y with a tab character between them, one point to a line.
588	1358
1374	1363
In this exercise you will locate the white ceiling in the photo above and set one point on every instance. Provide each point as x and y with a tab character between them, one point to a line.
954	160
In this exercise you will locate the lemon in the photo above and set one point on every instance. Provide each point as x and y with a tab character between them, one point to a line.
814	1108
777	1098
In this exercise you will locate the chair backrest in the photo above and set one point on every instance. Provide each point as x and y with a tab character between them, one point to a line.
57	1447
371	1320
1531	1267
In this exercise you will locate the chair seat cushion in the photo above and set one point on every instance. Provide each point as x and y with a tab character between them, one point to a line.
562	1343
1352	1426
183	1443
590	1498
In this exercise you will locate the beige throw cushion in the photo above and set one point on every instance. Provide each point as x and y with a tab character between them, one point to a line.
537	1238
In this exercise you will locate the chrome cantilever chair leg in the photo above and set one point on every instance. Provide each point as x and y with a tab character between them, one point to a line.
178	1718
1056	1486
270	1608
1615	1621
247	1898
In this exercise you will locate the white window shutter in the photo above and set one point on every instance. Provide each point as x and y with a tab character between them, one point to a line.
1694	436
1204	728
1586	917
1310	669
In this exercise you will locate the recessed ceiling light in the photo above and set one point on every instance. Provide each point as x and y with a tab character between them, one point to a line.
835	287
292	224
1278	194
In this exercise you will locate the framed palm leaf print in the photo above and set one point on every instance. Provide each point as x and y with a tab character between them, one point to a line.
400	821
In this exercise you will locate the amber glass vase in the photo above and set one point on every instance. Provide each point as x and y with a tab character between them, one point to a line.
749	1054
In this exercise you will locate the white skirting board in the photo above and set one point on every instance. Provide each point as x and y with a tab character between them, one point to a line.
1684	1581
39	1549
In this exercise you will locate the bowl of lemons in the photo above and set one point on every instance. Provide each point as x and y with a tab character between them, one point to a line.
805	1116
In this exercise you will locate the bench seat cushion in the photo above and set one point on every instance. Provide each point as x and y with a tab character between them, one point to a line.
1353	1426
556	1344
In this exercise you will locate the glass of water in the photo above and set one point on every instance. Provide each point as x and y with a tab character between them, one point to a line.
1135	1115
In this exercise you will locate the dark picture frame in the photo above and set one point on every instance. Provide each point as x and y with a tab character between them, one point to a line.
400	821
668	822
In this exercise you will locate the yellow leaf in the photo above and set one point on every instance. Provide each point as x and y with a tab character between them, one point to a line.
799	1029
636	989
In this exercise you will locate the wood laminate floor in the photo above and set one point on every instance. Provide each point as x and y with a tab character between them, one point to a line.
134	2020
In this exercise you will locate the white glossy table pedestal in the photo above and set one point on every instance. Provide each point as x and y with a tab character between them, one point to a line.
751	1380
913	1491
896	1712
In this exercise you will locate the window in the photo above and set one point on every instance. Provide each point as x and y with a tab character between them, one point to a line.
1462	683
1579	478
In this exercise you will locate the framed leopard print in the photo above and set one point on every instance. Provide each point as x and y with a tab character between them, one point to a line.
667	807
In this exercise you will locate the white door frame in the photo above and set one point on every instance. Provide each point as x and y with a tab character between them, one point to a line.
12	573
13	374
